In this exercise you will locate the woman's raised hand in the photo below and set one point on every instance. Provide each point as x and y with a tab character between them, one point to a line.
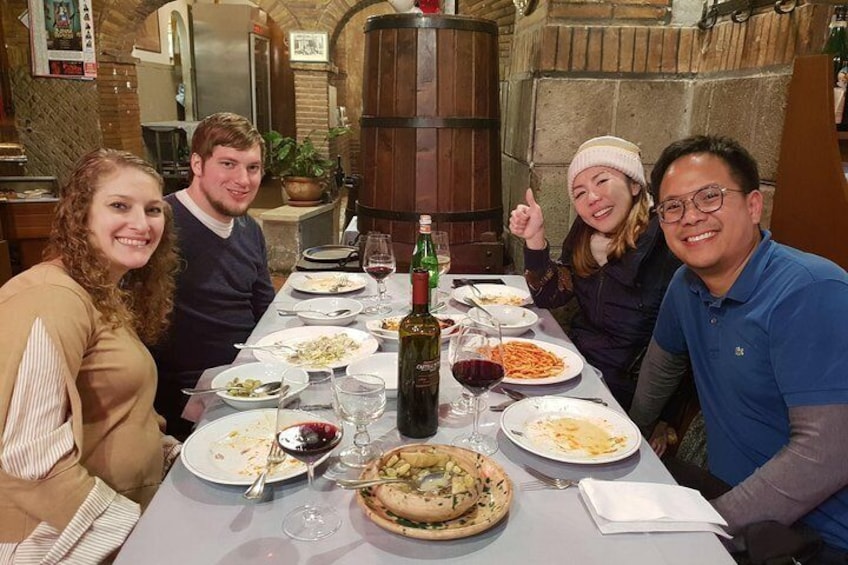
527	222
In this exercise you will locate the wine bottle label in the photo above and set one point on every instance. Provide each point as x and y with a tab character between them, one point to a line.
427	373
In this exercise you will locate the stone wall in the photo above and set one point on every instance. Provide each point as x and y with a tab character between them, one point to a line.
649	84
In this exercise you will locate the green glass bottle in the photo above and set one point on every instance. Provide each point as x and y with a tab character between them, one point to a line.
424	255
419	356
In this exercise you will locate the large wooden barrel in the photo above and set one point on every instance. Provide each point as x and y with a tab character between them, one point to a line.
431	135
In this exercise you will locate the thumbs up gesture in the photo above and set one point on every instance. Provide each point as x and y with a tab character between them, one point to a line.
527	222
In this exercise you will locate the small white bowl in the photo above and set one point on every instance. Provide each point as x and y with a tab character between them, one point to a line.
327	305
514	320
261	371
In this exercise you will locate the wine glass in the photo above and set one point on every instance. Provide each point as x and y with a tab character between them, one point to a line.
441	242
360	399
308	436
462	404
379	261
475	356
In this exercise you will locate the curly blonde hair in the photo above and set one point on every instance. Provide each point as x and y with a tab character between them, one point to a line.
143	298
623	239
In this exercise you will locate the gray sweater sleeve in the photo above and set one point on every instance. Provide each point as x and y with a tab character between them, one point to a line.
802	475
659	377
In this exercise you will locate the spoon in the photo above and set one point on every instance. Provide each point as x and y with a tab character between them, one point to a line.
333	314
264	389
426	483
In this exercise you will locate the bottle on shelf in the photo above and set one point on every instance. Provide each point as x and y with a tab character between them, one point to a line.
340	173
837	47
424	255
419	357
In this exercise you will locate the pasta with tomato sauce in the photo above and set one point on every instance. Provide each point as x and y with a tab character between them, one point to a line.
524	360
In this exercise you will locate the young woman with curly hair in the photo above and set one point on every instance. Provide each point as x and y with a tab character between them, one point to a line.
82	450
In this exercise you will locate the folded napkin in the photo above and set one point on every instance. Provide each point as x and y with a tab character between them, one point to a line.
621	506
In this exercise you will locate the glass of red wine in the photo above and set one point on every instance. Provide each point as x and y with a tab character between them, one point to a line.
309	435
378	260
476	359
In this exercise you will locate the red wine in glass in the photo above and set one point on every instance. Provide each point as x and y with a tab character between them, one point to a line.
477	375
309	441
379	272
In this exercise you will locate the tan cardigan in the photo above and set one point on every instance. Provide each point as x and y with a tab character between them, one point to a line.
110	380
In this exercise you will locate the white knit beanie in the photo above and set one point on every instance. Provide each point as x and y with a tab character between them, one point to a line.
608	151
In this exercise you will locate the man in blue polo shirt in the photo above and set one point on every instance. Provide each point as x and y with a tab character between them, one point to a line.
765	328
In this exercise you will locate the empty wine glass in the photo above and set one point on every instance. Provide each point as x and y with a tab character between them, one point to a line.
308	436
360	399
378	260
476	363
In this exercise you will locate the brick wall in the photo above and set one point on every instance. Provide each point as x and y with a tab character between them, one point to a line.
561	37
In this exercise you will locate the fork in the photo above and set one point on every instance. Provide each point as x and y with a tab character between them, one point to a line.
546	481
275	457
477	300
272	347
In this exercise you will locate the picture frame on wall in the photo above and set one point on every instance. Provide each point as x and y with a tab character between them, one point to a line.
309	46
148	38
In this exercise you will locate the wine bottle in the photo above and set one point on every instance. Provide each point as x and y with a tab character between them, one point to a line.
418	365
340	173
424	255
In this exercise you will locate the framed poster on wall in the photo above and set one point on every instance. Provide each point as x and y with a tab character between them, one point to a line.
309	46
61	36
148	38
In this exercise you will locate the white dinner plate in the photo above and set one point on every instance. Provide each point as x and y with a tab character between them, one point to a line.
376	326
327	283
384	365
570	430
493	294
366	344
573	364
232	450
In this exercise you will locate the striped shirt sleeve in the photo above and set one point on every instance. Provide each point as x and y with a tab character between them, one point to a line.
37	437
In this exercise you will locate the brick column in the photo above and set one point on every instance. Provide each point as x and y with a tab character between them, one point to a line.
312	113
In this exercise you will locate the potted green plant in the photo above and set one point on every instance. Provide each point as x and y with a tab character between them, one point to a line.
301	167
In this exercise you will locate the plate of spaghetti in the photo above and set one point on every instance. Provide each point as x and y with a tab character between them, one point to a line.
530	362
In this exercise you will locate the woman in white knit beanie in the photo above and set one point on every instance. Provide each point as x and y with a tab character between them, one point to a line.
614	260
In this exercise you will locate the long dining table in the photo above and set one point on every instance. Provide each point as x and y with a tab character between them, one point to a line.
195	521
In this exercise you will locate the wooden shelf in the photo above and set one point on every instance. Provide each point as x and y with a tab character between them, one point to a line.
811	196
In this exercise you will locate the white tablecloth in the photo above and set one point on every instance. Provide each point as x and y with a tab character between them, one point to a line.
192	521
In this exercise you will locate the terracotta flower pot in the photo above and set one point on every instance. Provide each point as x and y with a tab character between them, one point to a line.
303	191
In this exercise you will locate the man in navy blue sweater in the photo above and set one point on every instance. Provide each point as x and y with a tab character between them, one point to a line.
223	286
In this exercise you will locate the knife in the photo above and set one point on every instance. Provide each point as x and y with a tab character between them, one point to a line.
517	395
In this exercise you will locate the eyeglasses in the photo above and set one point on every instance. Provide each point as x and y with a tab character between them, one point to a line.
708	199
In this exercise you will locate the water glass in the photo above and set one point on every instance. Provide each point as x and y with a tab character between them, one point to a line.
360	400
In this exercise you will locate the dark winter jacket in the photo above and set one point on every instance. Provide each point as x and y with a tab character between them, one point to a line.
618	303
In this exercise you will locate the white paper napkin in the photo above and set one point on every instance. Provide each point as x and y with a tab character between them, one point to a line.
621	506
